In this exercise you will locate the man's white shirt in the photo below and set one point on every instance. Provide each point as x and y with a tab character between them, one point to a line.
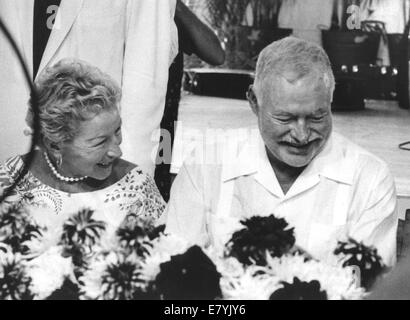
344	192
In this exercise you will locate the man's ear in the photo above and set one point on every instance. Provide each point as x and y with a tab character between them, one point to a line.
253	100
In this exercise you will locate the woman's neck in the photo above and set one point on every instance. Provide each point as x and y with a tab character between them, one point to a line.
42	171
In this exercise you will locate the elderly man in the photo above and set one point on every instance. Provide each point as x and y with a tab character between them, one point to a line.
325	186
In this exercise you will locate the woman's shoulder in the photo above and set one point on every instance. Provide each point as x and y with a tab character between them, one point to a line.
133	178
135	190
123	168
10	169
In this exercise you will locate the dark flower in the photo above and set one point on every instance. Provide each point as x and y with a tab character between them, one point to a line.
68	291
121	280
81	229
189	276
261	235
299	290
133	234
14	282
80	257
156	232
149	292
16	227
366	258
80	233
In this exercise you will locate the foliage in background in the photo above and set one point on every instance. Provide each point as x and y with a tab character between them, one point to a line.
263	13
244	26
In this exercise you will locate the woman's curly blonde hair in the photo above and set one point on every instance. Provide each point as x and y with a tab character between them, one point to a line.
69	92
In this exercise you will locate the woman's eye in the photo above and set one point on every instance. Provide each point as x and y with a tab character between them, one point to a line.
100	143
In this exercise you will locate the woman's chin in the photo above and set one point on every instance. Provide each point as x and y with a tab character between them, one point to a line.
101	173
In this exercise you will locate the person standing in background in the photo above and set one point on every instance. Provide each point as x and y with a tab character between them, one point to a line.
134	41
194	37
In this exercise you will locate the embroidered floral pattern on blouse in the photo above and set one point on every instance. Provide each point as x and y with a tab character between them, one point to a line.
29	189
47	197
135	193
138	194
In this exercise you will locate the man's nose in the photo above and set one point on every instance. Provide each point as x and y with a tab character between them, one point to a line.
300	132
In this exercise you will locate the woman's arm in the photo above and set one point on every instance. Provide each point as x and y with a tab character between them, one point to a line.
201	39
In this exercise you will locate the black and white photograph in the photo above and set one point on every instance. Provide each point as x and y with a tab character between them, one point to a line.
204	153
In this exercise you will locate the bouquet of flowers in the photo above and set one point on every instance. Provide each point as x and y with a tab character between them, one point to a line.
85	259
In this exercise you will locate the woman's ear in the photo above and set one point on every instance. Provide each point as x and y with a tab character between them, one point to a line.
253	100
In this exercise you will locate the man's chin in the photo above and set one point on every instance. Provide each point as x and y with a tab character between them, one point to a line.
297	161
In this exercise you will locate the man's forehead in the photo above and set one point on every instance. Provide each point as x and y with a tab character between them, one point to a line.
304	93
303	89
293	80
300	110
292	77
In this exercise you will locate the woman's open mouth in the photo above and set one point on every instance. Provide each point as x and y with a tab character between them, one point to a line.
104	165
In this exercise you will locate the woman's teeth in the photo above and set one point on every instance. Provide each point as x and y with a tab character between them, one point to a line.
104	164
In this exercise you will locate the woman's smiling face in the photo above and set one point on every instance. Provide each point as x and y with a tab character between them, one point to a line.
94	148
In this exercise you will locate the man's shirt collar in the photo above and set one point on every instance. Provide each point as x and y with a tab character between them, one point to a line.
252	159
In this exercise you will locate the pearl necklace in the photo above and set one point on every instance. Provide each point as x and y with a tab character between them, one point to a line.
59	176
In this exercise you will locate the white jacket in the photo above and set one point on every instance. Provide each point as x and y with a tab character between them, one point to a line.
134	41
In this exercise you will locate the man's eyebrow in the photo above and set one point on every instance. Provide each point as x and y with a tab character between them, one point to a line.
281	113
321	111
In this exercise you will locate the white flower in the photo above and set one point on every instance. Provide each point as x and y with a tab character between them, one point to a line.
7	257
50	237
163	248
92	278
251	285
44	215
150	267
48	272
108	241
337	281
5	250
222	228
239	282
170	245
226	266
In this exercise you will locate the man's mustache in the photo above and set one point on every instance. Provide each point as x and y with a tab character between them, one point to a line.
299	144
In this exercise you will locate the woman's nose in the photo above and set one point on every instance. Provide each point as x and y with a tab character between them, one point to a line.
114	151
